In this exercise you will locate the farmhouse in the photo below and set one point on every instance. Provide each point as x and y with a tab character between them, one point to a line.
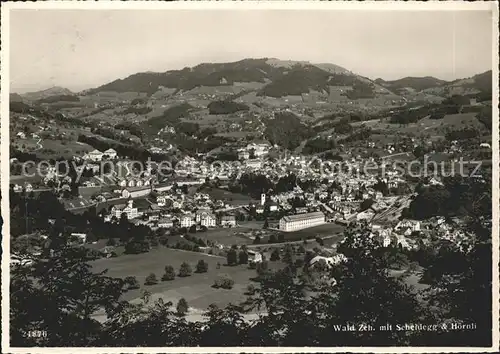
254	257
243	155
255	163
228	221
79	237
301	221
165	223
94	155
111	153
413	225
328	261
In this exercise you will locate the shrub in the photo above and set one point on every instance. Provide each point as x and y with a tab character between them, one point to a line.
131	283
243	257
185	270
169	273
224	282
232	257
250	289
151	279
136	247
202	266
275	255
262	268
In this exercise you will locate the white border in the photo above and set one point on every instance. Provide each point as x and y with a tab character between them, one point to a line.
250	5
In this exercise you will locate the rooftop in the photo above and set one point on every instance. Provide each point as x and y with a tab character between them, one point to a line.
299	217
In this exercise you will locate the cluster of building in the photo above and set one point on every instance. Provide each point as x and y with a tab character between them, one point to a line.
96	155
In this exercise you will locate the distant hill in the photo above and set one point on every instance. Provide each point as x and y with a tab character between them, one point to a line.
43	94
280	78
15	97
415	83
331	68
478	86
59	98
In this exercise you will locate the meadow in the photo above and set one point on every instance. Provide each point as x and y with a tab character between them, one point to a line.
196	289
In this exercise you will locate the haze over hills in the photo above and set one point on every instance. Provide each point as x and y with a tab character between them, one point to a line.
52	91
276	78
416	83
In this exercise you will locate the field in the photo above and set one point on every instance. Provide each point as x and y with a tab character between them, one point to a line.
196	289
435	127
236	134
66	148
225	236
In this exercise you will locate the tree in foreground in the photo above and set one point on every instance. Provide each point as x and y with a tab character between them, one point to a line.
201	266
182	307
185	270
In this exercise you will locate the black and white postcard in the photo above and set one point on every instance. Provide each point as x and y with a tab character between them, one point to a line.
249	177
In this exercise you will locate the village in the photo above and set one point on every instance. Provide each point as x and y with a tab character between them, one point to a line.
198	197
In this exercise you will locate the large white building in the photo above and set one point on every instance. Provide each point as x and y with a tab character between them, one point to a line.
187	220
127	209
301	221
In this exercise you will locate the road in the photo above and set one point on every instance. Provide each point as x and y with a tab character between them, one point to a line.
398	154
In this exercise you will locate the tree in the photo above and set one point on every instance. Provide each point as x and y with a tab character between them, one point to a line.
59	293
232	257
192	229
137	246
169	273
266	224
272	238
185	270
362	278
182	307
288	255
243	257
201	266
366	204
131	283
151	279
257	240
275	255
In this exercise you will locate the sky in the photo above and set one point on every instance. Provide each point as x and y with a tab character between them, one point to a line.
80	49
